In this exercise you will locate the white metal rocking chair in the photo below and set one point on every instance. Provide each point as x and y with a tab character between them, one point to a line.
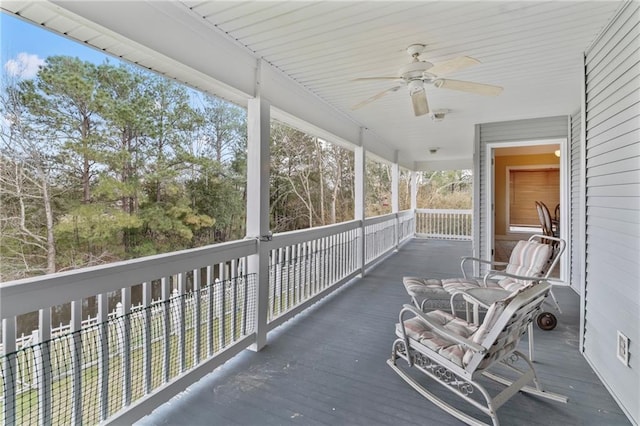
458	354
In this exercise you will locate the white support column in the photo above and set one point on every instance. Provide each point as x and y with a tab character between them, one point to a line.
258	163
414	199
359	207
414	190
395	203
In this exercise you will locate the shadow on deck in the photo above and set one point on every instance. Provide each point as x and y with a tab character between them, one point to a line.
327	365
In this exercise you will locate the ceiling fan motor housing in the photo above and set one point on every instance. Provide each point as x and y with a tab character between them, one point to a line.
414	70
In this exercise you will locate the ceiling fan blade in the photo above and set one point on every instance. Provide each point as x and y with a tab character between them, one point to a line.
468	86
376	78
419	101
453	65
374	97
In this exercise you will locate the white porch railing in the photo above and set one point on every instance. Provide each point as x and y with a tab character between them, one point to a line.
120	366
444	224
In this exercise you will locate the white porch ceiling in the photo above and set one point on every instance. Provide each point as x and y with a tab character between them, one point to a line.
532	49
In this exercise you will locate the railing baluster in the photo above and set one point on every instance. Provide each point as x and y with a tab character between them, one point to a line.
180	320
233	279
197	300
280	265
103	353
288	266
125	348
146	336
336	258
245	297
314	266
9	370
166	319
76	361
210	307
42	356
222	306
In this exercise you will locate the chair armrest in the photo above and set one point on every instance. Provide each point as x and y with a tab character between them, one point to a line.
495	273
481	296
438	329
466	259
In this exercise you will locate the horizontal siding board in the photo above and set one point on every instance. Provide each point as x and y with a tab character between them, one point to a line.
622	251
600	111
629	129
613	167
627	216
621	141
615	118
597	54
616	292
618	124
628	190
631	176
630	151
624	203
615	62
616	80
626	233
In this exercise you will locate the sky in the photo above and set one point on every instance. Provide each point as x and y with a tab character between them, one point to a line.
24	47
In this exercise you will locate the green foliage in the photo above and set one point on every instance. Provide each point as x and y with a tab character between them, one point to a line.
449	189
121	163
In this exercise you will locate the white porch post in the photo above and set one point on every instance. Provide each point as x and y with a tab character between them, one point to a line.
359	170
258	162
395	203
414	190
414	199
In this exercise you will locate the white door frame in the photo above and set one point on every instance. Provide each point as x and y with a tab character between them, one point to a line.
564	195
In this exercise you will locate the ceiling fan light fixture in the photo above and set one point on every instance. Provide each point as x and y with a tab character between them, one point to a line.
419	101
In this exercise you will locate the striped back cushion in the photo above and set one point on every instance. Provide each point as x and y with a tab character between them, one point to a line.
527	258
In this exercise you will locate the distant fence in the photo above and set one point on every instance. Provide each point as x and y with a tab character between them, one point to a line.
444	224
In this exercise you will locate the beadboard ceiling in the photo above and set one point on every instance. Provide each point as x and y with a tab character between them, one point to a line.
532	49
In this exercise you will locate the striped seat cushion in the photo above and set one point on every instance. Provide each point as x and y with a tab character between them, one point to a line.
420	331
527	258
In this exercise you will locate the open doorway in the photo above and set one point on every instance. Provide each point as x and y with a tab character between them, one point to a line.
523	173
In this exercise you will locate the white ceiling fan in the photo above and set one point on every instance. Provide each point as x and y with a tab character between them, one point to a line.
418	73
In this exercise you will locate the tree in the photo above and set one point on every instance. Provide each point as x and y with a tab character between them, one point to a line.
27	216
378	188
448	189
294	178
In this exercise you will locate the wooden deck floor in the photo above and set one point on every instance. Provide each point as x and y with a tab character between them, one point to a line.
327	366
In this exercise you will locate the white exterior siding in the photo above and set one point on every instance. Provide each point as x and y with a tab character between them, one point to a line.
612	276
575	277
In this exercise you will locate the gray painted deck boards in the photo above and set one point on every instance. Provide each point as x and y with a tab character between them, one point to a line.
327	365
